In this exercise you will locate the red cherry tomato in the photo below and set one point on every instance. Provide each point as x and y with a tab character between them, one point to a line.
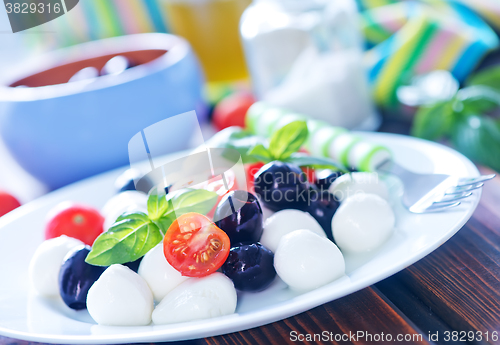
7	203
251	170
231	111
78	221
311	175
214	184
195	246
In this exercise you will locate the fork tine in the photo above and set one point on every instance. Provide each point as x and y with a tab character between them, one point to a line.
441	207
468	181
461	189
453	197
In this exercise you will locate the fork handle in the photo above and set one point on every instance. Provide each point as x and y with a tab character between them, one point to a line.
324	140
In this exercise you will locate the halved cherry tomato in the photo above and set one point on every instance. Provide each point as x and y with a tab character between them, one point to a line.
78	221
195	246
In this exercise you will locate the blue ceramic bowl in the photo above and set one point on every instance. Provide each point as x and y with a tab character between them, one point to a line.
62	132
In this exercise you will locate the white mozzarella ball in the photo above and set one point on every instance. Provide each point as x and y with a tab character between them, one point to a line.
196	299
266	213
160	276
46	263
285	222
362	223
130	197
129	201
306	261
120	297
357	183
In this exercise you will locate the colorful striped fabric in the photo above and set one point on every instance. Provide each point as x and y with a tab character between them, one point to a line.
96	19
488	9
416	37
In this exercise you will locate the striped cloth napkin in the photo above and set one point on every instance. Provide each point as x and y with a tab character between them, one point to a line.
96	19
408	38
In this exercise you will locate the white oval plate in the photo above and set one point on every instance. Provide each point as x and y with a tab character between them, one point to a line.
26	316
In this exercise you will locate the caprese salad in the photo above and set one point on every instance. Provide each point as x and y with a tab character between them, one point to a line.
175	257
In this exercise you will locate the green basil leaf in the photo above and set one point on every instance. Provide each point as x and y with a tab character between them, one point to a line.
157	203
432	122
136	215
488	77
164	222
477	100
478	137
288	140
301	159
192	200
261	154
237	139
125	241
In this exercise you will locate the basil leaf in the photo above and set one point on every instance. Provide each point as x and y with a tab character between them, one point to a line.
301	159
261	154
237	139
157	203
192	200
488	77
125	241
136	215
478	137
476	100
164	222
432	122
288	140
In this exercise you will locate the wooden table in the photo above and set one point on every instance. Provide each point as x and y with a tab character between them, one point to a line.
454	289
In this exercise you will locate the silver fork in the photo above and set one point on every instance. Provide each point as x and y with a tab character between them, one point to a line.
432	192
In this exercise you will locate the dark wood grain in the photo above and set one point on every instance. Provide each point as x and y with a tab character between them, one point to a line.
364	311
414	308
460	281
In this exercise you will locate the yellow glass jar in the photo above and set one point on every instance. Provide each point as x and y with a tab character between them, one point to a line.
212	28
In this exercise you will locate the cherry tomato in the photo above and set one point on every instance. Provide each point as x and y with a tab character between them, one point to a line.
7	203
214	184
74	220
231	111
311	175
251	170
195	246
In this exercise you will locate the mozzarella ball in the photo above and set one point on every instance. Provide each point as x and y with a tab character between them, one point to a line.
120	297
357	183
285	222
306	261
160	276
129	201
196	299
266	213
46	263
362	223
